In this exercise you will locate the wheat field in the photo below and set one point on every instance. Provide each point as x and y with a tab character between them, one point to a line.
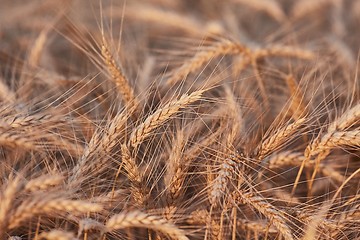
179	119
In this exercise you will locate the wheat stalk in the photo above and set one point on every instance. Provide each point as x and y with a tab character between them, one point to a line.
297	106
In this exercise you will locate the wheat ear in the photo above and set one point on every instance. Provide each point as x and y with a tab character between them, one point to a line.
283	51
14	139
102	142
155	120
7	197
271	7
226	173
118	77
143	220
279	137
42	205
348	118
333	140
14	238
224	47
268	210
156	15
175	190
44	182
174	172
133	173
57	235
19	121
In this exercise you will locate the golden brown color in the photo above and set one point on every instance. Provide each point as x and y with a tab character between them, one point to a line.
179	119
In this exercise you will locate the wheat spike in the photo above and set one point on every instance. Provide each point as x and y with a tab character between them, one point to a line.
219	186
57	235
333	140
143	220
121	82
43	182
155	120
285	158
304	7
269	211
21	121
42	205
14	238
134	175
101	144
224	47
156	15
283	51
15	139
271	7
279	137
348	118
7	197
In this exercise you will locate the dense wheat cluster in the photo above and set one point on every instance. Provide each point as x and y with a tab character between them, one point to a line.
179	119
